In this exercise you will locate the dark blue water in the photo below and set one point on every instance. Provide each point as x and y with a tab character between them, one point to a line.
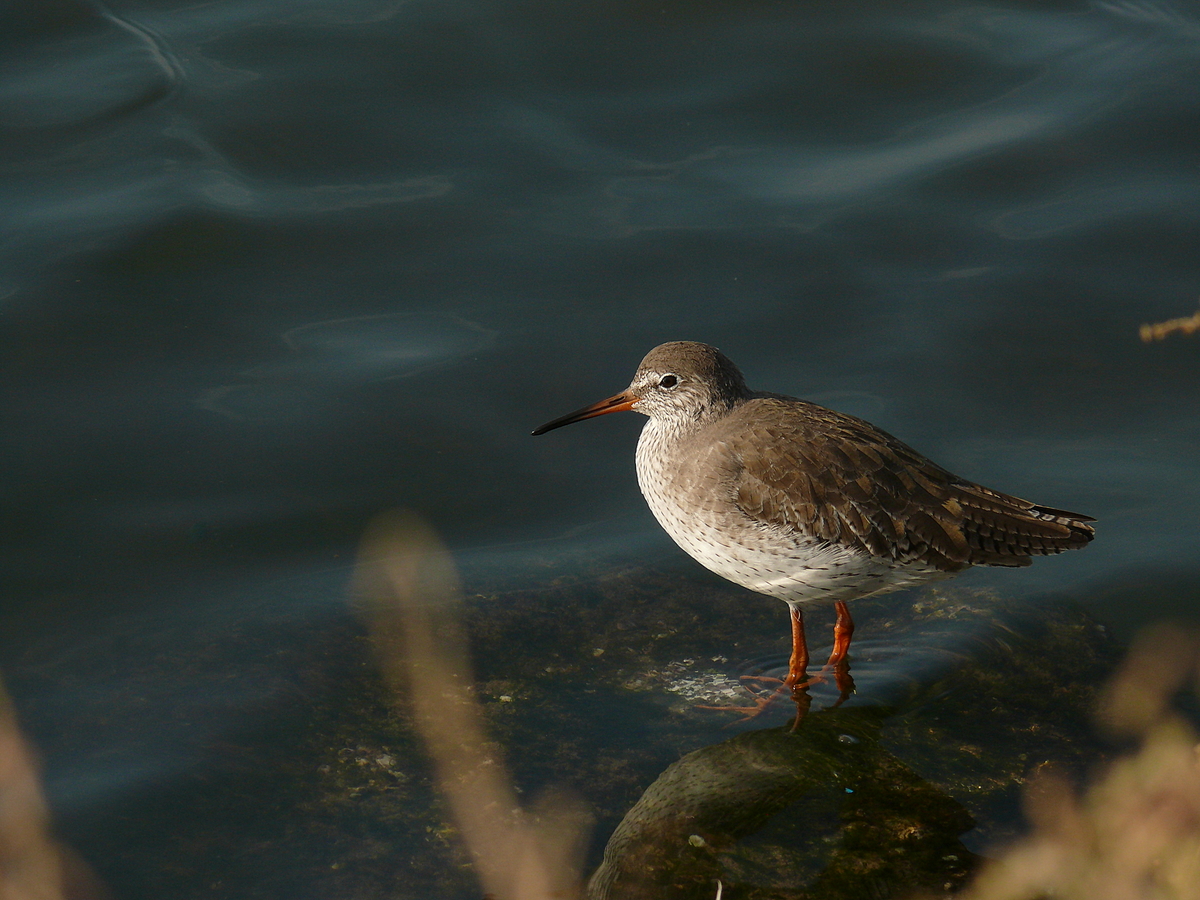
270	267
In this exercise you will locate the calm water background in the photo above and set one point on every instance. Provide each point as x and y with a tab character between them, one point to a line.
272	266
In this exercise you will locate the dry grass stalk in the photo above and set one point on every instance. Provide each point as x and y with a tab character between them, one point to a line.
31	865
1160	330
1134	834
410	589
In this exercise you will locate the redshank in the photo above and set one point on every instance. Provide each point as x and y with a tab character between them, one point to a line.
806	504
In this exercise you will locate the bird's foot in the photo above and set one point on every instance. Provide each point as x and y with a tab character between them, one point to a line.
763	702
795	685
785	688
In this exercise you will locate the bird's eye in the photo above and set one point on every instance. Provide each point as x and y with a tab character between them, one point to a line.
668	381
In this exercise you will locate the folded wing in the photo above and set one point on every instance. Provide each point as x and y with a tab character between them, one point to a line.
840	479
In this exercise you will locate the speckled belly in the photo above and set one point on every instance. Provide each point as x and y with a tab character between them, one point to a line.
700	515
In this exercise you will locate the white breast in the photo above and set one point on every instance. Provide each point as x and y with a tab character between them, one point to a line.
696	506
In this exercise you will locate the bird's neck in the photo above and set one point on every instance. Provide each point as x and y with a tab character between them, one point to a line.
661	434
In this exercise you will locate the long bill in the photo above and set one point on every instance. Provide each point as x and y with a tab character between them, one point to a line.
619	403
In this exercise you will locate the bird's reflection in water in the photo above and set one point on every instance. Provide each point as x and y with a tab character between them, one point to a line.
737	811
768	691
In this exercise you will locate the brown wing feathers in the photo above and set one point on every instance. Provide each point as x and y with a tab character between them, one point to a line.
1004	530
846	482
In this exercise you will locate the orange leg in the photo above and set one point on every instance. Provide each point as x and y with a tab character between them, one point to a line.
798	663
843	630
797	681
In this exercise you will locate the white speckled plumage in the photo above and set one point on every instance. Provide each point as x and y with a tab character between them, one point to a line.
686	482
